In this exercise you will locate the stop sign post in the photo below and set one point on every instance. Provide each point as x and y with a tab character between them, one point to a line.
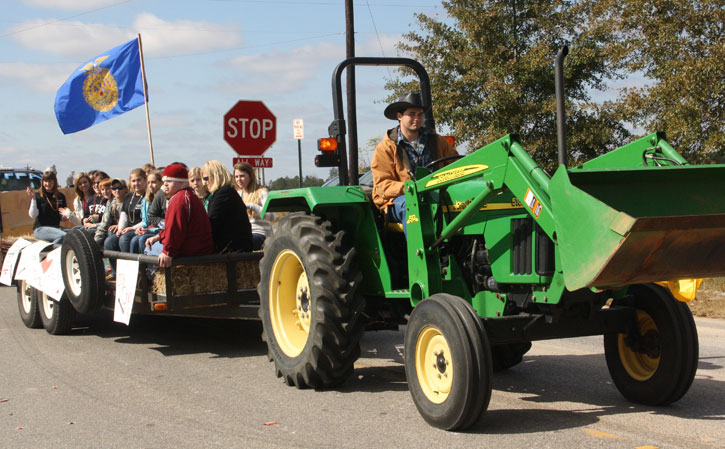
250	128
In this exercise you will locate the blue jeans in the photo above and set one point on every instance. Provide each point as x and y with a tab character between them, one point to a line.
111	242
124	242
257	241
138	242
396	212
50	233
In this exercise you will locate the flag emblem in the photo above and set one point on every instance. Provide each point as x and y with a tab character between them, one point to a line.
99	88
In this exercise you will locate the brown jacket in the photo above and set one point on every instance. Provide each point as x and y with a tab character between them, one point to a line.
390	168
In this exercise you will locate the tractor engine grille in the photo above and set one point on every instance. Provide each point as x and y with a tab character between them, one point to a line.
521	229
521	257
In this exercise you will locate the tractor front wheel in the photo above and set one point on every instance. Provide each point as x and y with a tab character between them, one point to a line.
311	312
655	363
447	362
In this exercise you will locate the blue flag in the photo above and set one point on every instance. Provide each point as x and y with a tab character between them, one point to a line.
102	88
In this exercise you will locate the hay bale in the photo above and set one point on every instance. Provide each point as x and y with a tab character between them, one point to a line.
204	278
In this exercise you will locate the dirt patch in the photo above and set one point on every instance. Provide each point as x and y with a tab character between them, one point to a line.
710	299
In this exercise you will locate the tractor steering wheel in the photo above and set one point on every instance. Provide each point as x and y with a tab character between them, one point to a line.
442	159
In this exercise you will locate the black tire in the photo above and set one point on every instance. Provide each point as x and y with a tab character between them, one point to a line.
656	363
508	355
445	363
28	306
82	267
57	316
312	337
482	356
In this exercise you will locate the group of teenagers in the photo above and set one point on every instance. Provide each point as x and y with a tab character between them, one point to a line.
174	212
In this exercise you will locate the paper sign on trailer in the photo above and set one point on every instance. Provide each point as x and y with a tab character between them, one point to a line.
29	266
51	278
126	278
11	259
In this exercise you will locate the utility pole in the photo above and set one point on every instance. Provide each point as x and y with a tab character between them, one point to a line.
351	104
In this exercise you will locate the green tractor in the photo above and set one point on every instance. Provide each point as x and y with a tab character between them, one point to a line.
497	254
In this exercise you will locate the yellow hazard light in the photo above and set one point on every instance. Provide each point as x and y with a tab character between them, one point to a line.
160	307
327	144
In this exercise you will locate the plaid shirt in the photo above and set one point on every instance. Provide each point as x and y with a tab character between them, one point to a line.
418	151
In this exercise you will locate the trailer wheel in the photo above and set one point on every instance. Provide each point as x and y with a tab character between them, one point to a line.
57	316
508	355
312	314
447	362
654	364
28	305
82	268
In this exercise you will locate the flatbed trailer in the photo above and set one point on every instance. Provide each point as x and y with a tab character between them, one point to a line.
222	286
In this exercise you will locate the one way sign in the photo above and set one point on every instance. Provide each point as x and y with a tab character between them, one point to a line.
256	162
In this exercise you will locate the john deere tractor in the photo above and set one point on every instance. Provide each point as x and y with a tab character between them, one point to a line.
497	254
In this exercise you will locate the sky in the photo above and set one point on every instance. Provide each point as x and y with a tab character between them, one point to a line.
201	57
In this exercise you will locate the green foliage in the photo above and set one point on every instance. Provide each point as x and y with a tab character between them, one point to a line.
294	183
492	73
491	68
679	46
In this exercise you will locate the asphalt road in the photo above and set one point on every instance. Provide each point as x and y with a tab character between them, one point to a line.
182	383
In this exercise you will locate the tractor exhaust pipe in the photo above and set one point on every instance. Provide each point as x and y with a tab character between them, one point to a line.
560	110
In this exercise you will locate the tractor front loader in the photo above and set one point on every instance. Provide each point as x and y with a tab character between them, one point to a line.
497	254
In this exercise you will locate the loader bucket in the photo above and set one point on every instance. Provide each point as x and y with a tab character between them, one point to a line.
626	226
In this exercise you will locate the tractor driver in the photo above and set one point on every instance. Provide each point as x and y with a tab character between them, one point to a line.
403	149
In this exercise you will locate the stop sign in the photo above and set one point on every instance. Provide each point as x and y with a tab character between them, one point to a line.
249	128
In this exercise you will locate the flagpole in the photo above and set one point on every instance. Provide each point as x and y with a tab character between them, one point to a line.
146	99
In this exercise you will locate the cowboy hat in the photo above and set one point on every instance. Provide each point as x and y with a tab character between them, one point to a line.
408	100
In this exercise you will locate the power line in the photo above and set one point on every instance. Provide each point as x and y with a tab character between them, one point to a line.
382	51
65	18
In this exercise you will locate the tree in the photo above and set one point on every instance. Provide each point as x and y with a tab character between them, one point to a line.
70	179
679	46
294	183
491	73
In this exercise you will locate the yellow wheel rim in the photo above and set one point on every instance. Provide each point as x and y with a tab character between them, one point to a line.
433	364
639	365
290	308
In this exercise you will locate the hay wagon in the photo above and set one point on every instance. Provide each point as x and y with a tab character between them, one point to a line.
214	286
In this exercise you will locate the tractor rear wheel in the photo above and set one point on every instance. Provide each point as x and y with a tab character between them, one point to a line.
28	305
312	314
655	363
447	362
57	316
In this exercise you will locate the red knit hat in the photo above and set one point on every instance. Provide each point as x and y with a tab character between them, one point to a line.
175	172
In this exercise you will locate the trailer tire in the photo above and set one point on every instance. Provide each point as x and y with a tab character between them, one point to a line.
57	316
508	355
662	368
311	311
447	363
82	268
28	305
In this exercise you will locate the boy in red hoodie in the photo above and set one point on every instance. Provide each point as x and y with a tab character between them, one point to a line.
187	230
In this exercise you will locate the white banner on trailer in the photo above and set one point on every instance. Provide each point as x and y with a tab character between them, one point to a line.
29	265
126	278
51	280
11	258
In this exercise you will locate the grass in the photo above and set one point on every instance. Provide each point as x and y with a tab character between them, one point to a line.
710	299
